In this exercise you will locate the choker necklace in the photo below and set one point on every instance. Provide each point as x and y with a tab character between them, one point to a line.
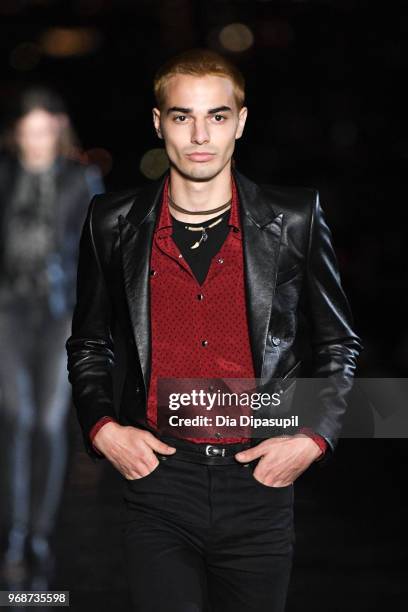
202	229
196	212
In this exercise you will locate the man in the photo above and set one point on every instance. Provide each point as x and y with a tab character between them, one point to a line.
205	274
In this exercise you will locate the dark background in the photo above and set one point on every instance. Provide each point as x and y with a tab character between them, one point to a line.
325	92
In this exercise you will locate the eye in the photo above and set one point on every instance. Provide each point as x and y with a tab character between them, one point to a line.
219	118
181	117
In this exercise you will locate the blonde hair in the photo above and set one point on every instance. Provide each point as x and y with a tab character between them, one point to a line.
198	62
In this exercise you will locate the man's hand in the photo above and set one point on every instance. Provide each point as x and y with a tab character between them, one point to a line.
130	449
282	460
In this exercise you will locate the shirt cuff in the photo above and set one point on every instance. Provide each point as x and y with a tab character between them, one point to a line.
320	441
98	425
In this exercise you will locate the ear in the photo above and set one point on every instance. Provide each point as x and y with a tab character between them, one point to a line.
156	122
242	116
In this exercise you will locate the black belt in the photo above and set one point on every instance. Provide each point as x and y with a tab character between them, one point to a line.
208	454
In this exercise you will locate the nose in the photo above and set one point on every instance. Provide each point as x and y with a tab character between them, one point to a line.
200	133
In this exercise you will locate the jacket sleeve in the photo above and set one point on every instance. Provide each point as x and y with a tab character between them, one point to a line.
90	347
335	345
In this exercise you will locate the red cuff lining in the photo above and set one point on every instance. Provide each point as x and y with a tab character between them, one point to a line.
98	425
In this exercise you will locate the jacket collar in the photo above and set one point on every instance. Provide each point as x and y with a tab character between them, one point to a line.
252	201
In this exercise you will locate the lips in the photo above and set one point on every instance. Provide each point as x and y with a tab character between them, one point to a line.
200	157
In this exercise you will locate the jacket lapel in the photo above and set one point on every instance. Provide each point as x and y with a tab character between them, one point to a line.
136	236
262	231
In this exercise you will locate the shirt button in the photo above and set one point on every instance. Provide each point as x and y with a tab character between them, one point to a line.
180	256
235	229
275	341
220	260
200	296
153	272
204	342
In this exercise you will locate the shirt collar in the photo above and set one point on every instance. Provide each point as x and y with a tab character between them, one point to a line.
164	225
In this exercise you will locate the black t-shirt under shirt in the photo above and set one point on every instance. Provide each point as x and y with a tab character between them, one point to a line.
199	259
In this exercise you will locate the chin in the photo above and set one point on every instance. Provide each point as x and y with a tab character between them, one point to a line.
199	171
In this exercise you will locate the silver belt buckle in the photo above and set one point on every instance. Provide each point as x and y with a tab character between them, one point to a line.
213	451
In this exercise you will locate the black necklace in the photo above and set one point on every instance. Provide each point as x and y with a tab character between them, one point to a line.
196	212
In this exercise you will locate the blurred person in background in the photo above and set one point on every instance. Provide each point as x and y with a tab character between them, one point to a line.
44	194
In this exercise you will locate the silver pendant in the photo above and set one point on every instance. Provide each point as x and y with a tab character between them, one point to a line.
203	238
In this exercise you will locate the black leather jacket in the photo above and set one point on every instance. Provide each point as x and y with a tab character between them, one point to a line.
294	296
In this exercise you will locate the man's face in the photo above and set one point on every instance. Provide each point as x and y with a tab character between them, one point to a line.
199	123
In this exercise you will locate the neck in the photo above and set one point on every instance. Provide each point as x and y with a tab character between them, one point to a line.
199	195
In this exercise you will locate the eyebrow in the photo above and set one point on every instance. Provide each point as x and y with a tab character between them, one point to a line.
211	111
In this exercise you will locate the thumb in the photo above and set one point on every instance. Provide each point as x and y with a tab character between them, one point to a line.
161	447
247	455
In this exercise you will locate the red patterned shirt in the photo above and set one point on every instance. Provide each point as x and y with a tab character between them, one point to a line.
198	331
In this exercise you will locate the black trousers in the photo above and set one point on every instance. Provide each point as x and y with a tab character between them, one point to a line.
205	538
